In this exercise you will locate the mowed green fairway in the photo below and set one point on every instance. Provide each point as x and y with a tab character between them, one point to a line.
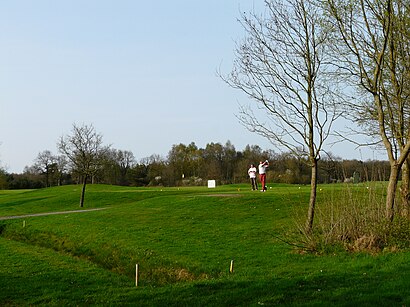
183	241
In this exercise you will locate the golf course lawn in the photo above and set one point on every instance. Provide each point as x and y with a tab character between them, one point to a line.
184	241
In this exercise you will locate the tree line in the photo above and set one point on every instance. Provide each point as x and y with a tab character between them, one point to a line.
188	164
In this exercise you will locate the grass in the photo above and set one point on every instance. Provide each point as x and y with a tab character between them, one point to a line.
183	239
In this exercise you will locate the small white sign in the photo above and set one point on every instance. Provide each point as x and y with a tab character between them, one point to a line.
211	184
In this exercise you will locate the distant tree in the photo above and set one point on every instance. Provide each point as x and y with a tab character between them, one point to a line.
125	160
219	161
138	175
282	65
31	178
253	153
115	167
330	167
3	179
184	161
61	164
85	152
45	163
229	161
213	156
156	170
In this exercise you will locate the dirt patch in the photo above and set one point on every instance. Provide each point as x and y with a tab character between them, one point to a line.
221	195
369	243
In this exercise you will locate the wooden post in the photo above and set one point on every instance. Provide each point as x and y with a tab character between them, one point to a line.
231	267
136	275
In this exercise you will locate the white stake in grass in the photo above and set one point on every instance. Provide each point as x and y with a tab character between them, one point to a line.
231	267
136	274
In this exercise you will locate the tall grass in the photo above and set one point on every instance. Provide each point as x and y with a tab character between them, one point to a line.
353	218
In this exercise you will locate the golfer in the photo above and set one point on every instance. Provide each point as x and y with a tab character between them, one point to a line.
262	174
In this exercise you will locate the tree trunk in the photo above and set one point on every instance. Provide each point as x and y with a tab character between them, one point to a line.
391	191
404	190
83	192
47	180
312	200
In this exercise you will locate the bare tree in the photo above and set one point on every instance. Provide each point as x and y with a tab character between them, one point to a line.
396	91
374	52
117	165
45	163
125	160
283	66
85	151
61	168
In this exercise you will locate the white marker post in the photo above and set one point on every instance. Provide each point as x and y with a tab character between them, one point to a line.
136	275
231	267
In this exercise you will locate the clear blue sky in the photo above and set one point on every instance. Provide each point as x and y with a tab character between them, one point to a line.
142	72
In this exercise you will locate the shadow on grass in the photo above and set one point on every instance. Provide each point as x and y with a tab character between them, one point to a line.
385	289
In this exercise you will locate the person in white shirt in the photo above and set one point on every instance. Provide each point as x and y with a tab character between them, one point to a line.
262	174
252	176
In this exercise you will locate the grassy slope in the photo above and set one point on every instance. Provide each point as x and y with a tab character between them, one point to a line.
184	241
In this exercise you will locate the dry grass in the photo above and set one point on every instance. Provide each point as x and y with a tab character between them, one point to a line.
353	218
